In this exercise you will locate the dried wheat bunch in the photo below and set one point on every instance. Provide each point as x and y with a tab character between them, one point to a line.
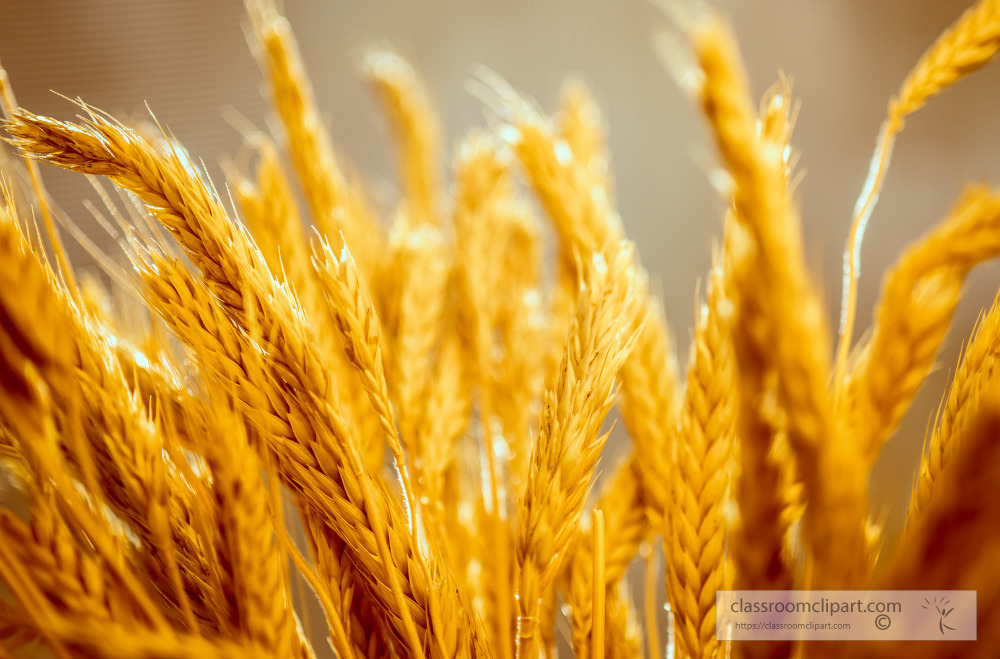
424	401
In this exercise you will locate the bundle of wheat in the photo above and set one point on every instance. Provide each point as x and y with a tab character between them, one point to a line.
158	460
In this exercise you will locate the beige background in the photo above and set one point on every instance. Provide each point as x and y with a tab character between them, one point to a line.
189	60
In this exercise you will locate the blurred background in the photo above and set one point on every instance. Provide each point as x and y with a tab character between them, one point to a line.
189	61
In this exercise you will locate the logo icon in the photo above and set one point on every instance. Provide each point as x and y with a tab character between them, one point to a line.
941	605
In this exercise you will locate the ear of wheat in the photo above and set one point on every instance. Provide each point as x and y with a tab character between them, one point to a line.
159	483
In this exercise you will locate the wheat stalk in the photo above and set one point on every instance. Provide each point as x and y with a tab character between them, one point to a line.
259	585
568	442
969	44
271	213
230	263
695	543
958	410
620	501
414	128
781	316
919	299
337	205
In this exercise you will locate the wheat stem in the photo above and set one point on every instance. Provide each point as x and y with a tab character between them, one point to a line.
967	45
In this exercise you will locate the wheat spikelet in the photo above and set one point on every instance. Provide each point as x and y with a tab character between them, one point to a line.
272	215
415	129
483	185
522	319
27	303
200	322
355	317
339	581
173	193
579	210
919	299
649	408
337	205
768	493
568	442
53	487
229	261
766	467
69	578
696	538
521	380
498	255
782	321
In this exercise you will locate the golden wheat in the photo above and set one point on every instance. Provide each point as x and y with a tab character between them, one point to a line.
569	443
695	540
782	323
337	204
150	479
966	46
914	314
